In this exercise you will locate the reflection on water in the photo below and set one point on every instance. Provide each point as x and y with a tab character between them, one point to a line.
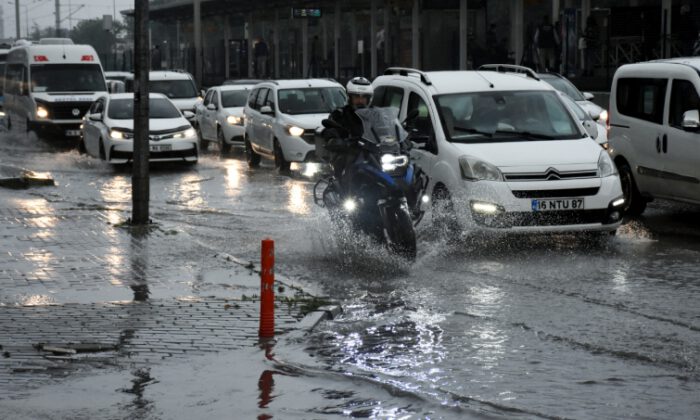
139	264
234	172
298	202
117	190
189	191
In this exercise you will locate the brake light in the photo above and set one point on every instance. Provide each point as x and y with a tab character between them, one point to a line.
87	58
40	58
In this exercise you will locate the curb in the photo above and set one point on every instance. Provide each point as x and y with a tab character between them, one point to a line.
312	319
22	179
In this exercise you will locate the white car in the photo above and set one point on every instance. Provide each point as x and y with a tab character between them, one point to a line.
281	118
584	99
220	117
108	130
178	86
597	133
655	131
503	153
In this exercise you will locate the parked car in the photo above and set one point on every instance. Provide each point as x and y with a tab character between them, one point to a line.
108	130
655	131
584	99
220	117
178	86
281	118
121	76
503	152
597	133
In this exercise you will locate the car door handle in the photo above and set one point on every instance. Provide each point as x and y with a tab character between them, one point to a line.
664	145
658	145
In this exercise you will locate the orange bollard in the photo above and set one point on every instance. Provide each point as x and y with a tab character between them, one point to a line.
267	290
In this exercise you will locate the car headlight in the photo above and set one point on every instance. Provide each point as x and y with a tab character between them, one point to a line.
42	112
606	167
117	135
474	169
190	132
234	120
603	116
295	131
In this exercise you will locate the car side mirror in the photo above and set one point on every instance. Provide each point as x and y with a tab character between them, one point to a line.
691	120
588	96
595	115
591	128
188	114
267	110
96	117
211	107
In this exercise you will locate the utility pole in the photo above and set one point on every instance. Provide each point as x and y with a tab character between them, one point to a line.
17	18
58	18
140	182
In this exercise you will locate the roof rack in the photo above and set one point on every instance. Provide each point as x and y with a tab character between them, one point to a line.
510	68
405	71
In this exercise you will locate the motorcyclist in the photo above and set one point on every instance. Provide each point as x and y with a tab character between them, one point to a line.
340	141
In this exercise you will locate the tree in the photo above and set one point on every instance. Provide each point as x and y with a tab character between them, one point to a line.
91	32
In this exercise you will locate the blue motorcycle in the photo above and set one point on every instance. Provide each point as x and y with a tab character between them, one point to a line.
379	192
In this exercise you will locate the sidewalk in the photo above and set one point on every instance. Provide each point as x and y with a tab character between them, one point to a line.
81	293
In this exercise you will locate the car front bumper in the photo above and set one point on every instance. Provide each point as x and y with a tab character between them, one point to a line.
181	150
233	134
513	204
298	149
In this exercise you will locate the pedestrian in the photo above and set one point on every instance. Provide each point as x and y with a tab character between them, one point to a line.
261	53
546	42
687	29
588	43
155	58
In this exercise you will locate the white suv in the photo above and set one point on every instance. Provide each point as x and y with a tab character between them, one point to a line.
282	116
502	152
655	131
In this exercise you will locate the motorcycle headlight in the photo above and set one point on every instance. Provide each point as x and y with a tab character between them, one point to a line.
295	131
42	112
391	162
606	167
190	132
234	120
474	169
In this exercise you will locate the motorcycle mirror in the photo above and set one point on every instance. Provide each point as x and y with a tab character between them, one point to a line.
411	116
331	124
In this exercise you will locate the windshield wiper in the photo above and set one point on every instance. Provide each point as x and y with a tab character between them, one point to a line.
471	130
526	134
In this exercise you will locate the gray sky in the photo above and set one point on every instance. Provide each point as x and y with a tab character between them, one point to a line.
42	12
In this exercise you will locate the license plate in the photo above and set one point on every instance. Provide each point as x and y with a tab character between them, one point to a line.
72	133
161	148
557	204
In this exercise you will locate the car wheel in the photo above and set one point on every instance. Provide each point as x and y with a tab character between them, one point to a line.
224	148
635	204
81	146
103	154
252	158
444	214
280	163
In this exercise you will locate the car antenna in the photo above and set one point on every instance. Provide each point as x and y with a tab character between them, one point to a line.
485	79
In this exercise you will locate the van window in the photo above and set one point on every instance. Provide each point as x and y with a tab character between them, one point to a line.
641	98
422	122
174	89
67	78
389	96
684	97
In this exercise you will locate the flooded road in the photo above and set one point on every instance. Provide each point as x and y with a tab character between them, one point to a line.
551	327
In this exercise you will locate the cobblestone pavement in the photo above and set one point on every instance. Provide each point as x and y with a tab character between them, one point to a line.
82	292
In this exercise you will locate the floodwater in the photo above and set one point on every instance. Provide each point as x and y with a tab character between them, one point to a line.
550	327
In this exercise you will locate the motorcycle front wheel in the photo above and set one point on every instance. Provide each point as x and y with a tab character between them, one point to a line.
401	234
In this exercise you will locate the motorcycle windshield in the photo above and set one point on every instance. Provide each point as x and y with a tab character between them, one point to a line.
381	126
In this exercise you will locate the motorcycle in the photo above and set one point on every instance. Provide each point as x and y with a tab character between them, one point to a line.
380	192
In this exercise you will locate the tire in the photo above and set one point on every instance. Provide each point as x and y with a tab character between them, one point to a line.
251	157
635	204
401	235
444	216
103	154
81	146
280	163
224	148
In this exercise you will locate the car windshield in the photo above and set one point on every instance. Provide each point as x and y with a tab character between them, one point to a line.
67	78
123	109
234	98
173	89
563	85
311	100
506	116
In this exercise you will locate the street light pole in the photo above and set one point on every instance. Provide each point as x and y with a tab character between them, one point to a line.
17	18
140	182
58	18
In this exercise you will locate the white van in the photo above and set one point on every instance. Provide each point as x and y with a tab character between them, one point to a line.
49	87
655	131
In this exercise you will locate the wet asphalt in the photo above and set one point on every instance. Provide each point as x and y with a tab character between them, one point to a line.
543	327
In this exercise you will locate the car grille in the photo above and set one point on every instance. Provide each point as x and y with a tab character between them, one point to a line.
572	192
534	219
309	136
64	110
172	154
550	175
